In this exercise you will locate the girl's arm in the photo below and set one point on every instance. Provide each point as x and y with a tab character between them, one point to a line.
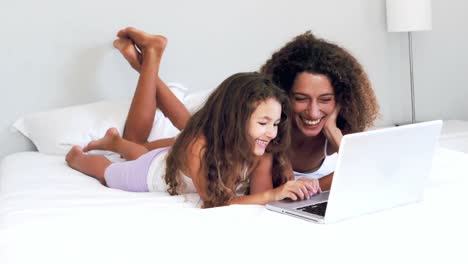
292	189
195	168
261	185
260	180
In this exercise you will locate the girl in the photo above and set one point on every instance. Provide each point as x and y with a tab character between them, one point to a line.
330	96
218	149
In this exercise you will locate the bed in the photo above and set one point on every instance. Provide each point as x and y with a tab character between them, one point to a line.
50	213
53	214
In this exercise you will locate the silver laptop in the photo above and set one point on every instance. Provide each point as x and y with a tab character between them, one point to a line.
376	170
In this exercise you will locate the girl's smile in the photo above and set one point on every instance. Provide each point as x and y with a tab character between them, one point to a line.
263	124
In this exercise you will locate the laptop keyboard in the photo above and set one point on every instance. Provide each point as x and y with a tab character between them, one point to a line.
317	209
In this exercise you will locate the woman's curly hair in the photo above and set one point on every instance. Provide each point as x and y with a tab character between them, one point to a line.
352	88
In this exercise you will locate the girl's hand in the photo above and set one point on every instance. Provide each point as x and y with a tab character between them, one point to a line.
297	189
314	183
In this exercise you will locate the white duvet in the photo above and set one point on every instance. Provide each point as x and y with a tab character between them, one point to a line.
50	213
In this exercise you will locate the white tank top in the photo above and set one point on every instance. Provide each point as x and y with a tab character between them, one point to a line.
155	177
156	182
327	167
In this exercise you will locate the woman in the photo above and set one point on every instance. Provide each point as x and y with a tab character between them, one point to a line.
330	96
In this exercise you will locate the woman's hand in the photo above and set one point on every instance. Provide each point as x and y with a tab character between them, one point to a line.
330	124
331	131
300	189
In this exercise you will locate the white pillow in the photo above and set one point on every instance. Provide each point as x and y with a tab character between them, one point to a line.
195	99
55	131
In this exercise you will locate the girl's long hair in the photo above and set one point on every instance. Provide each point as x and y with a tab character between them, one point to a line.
228	154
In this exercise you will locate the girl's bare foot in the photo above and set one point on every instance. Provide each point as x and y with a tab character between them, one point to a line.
108	142
92	165
73	156
129	51
143	40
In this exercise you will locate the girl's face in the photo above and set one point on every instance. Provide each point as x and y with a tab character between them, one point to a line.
313	100
263	124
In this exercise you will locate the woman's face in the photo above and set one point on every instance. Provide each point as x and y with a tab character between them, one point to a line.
313	100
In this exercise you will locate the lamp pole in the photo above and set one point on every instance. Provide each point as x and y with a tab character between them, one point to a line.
409	16
410	47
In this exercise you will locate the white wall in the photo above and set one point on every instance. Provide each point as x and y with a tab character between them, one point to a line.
56	53
441	63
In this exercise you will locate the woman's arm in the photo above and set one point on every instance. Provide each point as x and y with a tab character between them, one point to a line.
332	132
334	136
326	181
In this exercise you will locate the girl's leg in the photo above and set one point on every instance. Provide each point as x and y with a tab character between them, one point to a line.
92	165
140	117
148	97
114	142
171	106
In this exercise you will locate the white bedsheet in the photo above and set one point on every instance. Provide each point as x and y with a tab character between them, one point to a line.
50	213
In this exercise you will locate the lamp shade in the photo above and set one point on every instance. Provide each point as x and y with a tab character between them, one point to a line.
409	15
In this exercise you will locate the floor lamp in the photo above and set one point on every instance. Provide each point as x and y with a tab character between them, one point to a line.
409	16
